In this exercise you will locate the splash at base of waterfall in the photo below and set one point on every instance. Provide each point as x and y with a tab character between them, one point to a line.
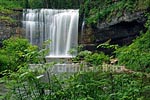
59	26
62	56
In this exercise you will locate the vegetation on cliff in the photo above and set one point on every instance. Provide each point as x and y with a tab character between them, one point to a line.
136	56
57	4
100	82
93	10
106	10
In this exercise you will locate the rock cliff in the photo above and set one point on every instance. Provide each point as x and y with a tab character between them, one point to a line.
120	30
10	24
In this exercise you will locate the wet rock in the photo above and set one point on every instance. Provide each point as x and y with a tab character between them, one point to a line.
120	30
8	29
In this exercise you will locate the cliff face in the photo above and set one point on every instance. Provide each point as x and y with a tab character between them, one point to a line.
120	31
119	21
10	24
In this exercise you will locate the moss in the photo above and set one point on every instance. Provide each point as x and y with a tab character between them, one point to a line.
11	4
5	11
5	15
142	4
105	10
7	19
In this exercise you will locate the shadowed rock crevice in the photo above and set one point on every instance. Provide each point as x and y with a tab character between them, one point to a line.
120	31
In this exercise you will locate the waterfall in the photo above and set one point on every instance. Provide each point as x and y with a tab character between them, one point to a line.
59	26
82	31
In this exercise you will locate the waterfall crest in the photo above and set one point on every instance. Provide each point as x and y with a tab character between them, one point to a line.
59	26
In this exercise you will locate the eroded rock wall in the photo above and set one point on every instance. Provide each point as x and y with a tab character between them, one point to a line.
120	31
10	28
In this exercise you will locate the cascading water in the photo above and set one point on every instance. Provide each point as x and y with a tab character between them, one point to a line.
59	26
82	31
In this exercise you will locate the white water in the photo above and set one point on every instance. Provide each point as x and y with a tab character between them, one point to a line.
59	26
82	31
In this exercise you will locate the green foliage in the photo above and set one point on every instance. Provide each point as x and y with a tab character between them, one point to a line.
7	19
4	60
92	58
18	4
4	11
94	11
136	56
107	45
97	84
11	4
16	52
24	84
105	10
97	58
35	3
6	15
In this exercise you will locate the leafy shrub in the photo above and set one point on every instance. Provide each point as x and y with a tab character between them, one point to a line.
137	55
10	4
5	11
26	84
92	58
97	58
16	52
4	60
79	86
81	55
